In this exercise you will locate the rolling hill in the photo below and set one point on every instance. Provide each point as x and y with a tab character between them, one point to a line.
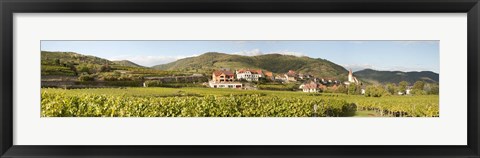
50	58
126	63
59	63
71	57
374	76
275	63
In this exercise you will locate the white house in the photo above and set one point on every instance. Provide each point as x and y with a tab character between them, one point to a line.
225	84
281	78
310	87
249	75
291	76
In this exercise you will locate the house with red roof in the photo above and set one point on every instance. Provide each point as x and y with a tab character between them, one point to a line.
310	87
224	79
249	75
291	76
223	76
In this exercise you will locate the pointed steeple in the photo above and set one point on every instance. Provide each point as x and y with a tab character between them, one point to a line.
350	76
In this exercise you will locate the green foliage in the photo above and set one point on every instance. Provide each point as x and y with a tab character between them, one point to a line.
418	88
57	61
105	68
375	91
419	85
402	86
387	106
354	89
432	89
84	68
384	77
154	83
400	106
391	88
86	77
275	63
278	87
92	105
57	70
110	76
70	57
79	64
126	63
417	92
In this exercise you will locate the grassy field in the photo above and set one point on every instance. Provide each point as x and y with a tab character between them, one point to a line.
389	106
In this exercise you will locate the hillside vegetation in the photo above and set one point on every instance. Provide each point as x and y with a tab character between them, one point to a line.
126	63
95	68
374	76
275	63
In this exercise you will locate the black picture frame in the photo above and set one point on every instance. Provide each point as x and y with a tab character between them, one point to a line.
9	7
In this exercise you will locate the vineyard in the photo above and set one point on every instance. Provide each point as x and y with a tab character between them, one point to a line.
206	102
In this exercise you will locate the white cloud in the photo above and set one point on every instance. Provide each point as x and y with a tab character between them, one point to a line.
286	52
253	52
150	60
358	67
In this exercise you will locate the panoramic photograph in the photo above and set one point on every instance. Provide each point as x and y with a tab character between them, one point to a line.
232	78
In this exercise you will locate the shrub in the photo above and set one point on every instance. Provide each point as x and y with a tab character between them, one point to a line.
86	77
375	91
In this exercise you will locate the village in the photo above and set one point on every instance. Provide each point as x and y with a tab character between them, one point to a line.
241	79
229	85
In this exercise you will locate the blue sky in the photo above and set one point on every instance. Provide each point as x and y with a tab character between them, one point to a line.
357	55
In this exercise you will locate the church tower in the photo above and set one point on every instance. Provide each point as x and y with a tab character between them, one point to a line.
350	76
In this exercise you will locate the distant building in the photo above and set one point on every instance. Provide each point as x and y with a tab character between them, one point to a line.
291	76
224	79
304	76
407	91
310	87
269	75
223	76
225	84
249	75
351	78
281	78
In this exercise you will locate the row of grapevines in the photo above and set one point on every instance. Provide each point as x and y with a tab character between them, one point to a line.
401	107
96	105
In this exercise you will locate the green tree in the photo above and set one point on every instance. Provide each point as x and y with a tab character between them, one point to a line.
419	85
402	86
86	77
432	89
375	91
351	89
391	88
57	61
105	68
418	88
83	69
341	89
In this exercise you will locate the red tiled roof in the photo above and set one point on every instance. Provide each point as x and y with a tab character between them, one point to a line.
220	72
251	71
268	74
311	85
